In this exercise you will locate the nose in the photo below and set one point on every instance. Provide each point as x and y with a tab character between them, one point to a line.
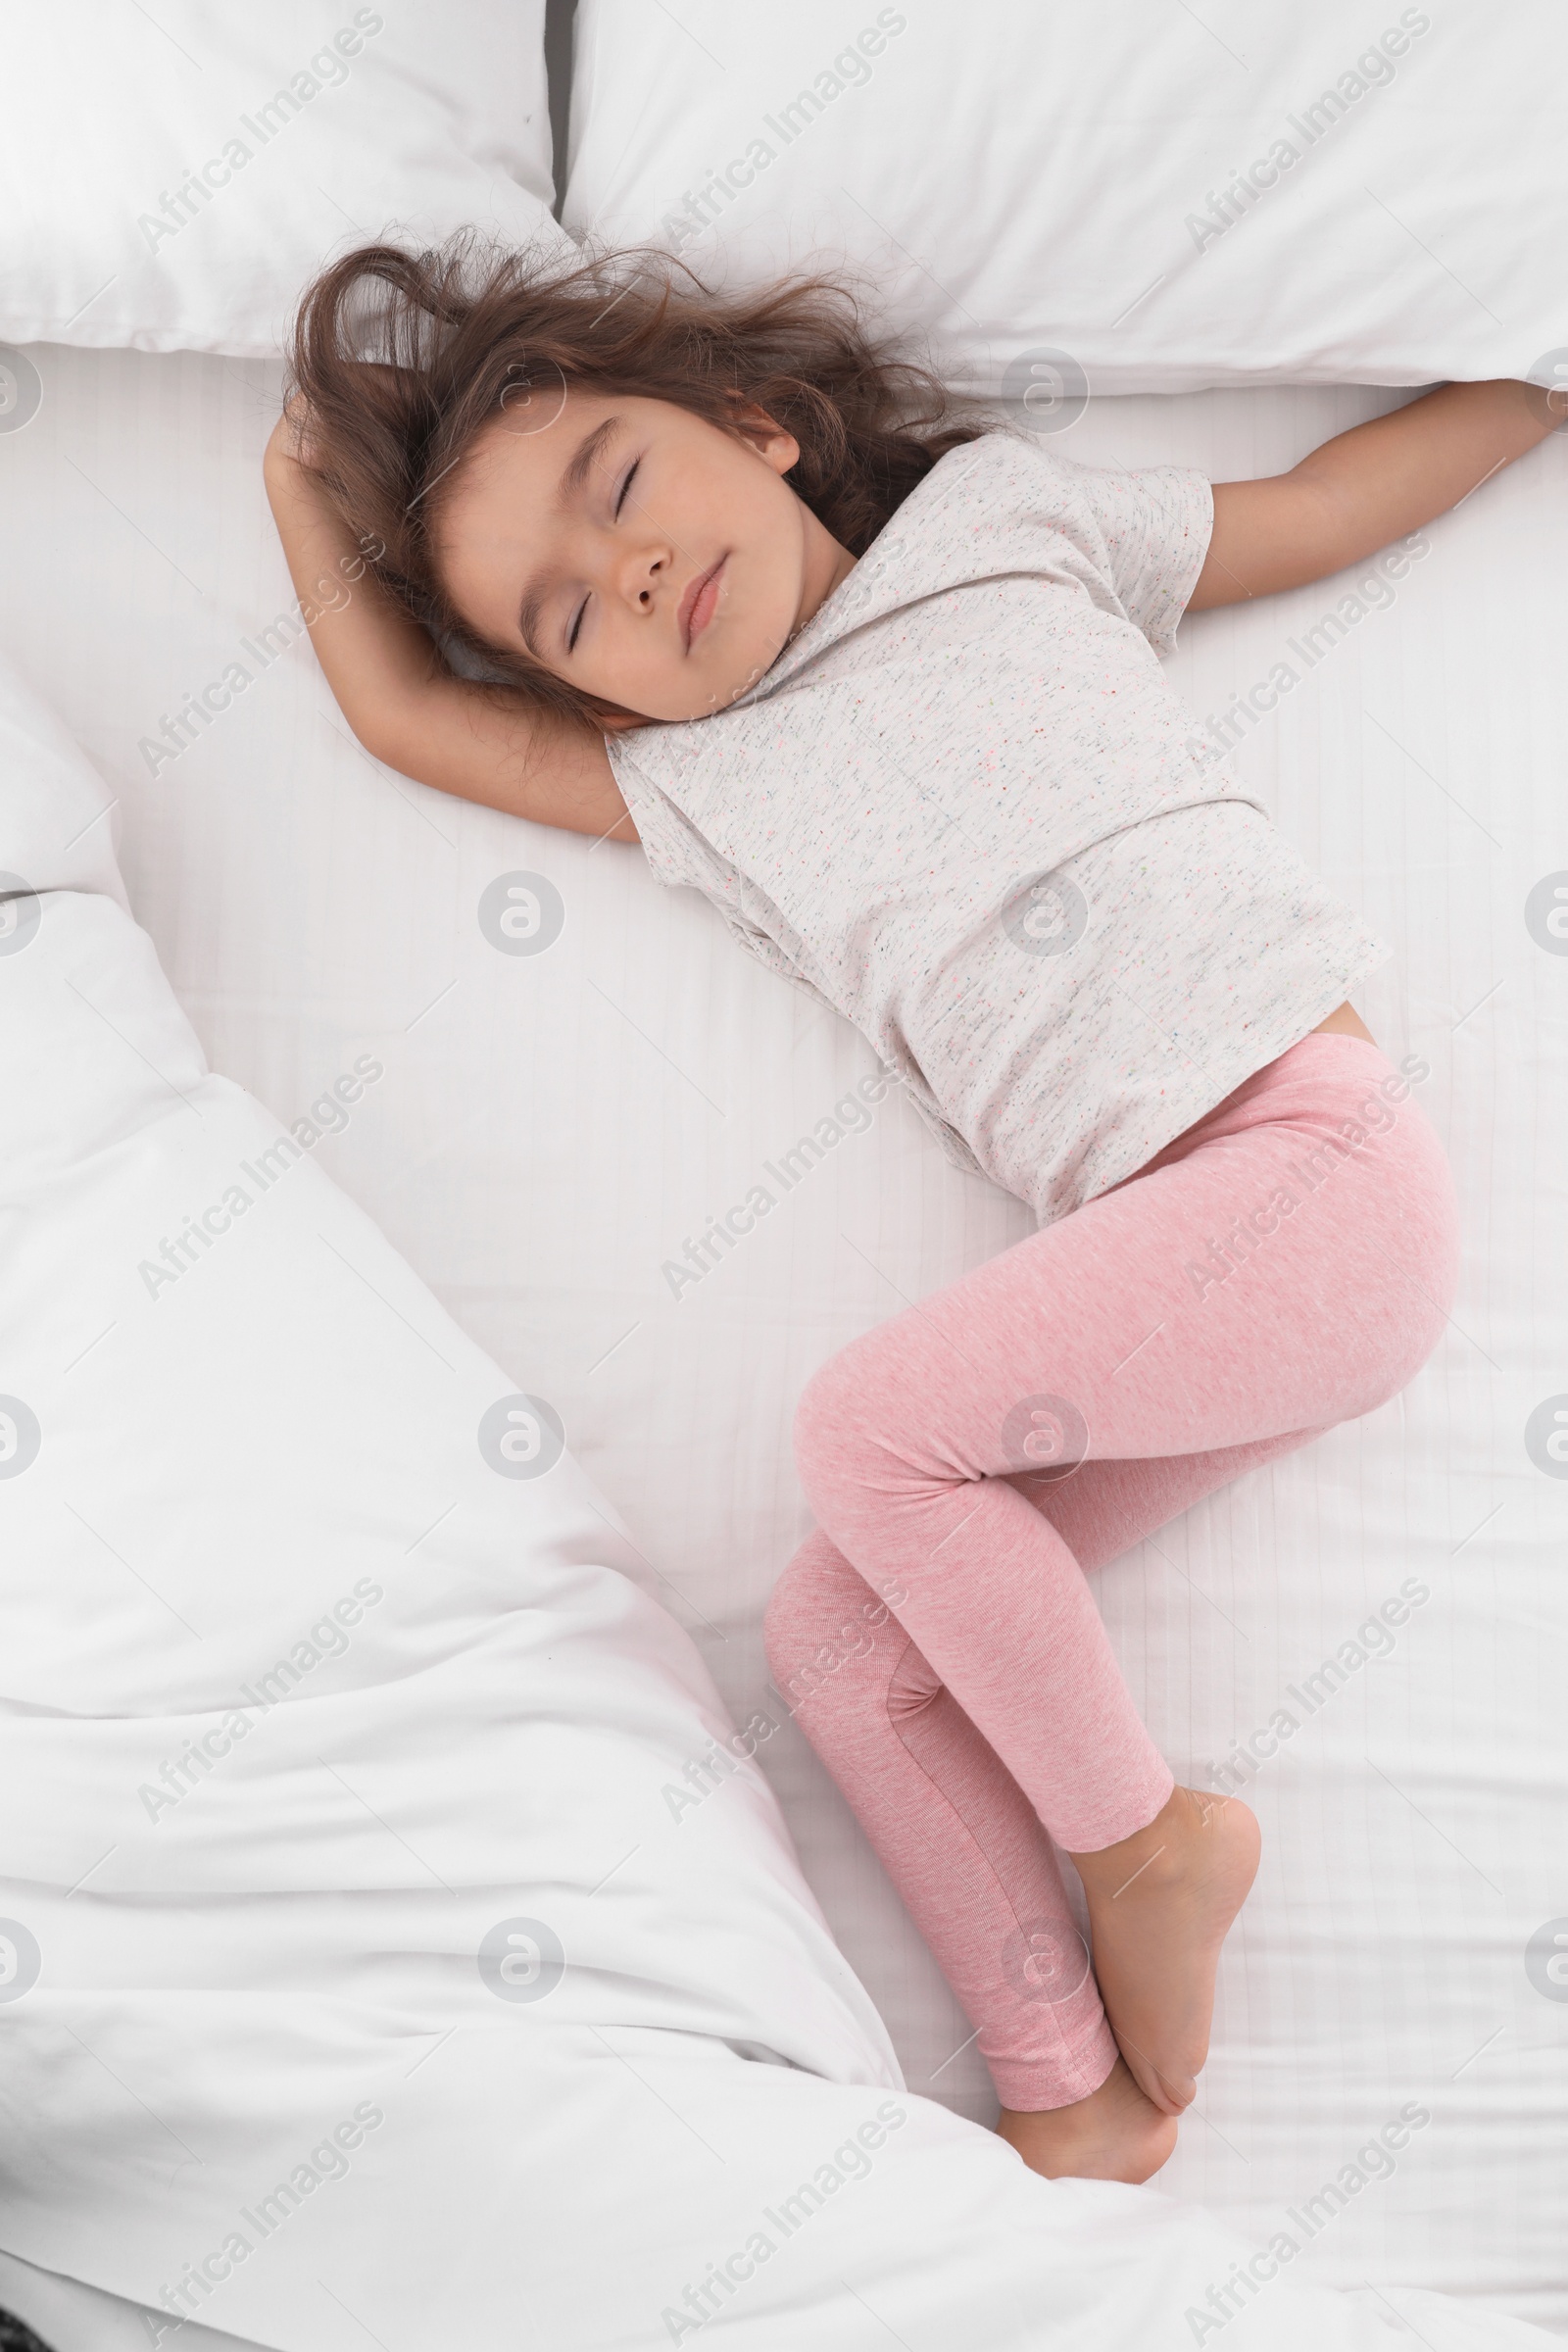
643	571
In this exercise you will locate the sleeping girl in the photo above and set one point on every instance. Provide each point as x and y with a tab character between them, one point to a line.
882	680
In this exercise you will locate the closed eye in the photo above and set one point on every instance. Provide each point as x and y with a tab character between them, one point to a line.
575	629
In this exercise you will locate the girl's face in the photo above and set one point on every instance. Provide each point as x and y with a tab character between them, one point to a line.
641	553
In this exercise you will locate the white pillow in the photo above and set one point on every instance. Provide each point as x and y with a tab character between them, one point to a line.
1047	189
172	177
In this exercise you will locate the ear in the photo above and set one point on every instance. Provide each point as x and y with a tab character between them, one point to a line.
776	446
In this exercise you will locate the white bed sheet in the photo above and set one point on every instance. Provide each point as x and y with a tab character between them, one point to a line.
551	1129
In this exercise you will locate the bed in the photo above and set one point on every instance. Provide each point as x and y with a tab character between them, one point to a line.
551	1129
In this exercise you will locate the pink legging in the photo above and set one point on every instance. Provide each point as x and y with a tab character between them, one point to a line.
1286	1264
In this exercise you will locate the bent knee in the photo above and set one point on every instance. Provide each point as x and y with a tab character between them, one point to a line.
819	1415
846	1427
820	1615
790	1619
868	1441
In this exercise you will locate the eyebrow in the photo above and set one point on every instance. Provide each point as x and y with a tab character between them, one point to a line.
590	449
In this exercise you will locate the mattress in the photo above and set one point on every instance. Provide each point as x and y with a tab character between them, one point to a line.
555	1129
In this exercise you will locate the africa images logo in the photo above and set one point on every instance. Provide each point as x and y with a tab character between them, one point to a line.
19	1437
522	1437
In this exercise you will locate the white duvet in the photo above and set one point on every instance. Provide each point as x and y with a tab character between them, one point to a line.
399	1941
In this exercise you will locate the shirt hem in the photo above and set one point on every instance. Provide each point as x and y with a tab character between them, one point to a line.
1251	1054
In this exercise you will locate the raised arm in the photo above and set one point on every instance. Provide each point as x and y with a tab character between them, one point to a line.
483	743
1364	488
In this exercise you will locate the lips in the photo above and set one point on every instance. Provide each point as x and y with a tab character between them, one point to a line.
700	602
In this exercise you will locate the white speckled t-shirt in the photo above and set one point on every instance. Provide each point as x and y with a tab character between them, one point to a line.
967	809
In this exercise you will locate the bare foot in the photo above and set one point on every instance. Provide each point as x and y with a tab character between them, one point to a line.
1114	2134
1159	1905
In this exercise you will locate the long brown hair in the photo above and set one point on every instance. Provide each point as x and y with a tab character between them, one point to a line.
455	329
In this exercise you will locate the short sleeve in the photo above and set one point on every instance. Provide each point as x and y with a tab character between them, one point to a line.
678	856
674	848
1156	524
